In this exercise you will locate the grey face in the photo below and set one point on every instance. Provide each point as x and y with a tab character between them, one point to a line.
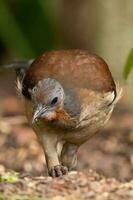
46	96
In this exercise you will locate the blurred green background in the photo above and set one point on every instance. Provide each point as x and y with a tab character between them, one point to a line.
30	27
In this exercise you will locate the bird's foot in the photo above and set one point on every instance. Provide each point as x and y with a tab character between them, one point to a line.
58	170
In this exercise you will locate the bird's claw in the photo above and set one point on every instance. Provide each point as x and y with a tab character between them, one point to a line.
58	170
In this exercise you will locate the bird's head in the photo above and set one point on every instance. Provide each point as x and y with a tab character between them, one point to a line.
47	97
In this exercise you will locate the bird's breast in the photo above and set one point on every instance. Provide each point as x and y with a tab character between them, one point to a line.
93	116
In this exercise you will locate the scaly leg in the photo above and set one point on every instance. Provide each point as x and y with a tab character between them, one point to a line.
49	144
69	155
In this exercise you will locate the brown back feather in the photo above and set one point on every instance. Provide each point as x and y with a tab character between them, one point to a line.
72	68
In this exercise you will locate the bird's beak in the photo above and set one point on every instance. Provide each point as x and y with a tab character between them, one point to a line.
40	111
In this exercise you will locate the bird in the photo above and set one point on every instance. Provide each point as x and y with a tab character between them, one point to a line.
69	96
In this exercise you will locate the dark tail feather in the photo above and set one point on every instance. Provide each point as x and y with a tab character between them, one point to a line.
19	66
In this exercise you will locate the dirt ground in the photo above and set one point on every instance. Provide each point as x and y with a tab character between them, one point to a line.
105	163
76	185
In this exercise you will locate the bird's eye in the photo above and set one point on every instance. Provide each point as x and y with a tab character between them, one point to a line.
54	100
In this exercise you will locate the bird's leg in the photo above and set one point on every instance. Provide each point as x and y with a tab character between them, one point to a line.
69	155
49	144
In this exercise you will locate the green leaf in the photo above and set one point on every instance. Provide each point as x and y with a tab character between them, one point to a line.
19	197
25	197
10	177
11	33
129	65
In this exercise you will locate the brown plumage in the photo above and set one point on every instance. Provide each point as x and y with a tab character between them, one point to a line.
69	96
74	67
